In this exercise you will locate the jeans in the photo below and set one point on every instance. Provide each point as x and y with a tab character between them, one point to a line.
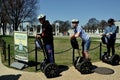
49	52
86	45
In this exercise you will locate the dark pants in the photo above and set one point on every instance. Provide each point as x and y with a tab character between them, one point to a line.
111	44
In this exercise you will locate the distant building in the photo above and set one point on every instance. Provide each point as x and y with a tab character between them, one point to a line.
70	31
117	23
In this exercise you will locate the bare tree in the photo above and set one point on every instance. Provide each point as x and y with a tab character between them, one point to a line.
19	11
3	18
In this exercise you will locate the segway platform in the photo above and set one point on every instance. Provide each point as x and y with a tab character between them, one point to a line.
113	60
49	69
81	64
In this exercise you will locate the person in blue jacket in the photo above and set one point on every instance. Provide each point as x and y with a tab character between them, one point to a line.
110	32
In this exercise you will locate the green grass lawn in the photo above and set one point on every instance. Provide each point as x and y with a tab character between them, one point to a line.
61	44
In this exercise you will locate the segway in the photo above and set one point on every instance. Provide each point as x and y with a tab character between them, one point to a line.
49	69
113	60
80	63
105	57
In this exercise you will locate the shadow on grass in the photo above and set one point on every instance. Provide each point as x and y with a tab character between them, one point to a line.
10	77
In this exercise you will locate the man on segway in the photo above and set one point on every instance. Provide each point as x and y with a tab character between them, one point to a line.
79	32
83	63
47	66
47	37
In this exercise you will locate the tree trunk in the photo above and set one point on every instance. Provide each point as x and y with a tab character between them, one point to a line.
3	27
15	27
16	24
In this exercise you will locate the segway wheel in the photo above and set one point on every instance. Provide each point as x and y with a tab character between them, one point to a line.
115	59
85	67
51	70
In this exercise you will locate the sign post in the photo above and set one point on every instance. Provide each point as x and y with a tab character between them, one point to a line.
21	46
20	49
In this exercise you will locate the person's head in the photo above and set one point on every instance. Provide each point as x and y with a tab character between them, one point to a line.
75	23
41	18
111	21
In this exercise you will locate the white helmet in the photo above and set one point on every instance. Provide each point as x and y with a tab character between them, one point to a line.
75	21
41	16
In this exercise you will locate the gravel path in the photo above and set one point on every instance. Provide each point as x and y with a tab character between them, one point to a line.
70	74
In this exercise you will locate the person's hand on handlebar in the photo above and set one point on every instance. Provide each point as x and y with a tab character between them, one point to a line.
108	34
102	34
72	36
38	36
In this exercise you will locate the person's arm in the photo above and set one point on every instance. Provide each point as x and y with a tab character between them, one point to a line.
38	36
105	32
72	36
79	30
75	35
113	30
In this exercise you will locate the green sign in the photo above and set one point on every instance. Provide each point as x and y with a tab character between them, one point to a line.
21	46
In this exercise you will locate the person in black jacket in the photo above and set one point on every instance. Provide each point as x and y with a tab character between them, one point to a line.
47	37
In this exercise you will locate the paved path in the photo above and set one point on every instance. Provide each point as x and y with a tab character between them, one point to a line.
70	74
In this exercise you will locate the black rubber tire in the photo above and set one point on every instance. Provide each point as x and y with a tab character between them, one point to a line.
115	59
51	70
85	67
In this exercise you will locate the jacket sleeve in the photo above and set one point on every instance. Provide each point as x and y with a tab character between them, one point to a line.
114	29
105	31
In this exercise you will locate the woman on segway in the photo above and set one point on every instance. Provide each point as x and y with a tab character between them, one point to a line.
110	34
